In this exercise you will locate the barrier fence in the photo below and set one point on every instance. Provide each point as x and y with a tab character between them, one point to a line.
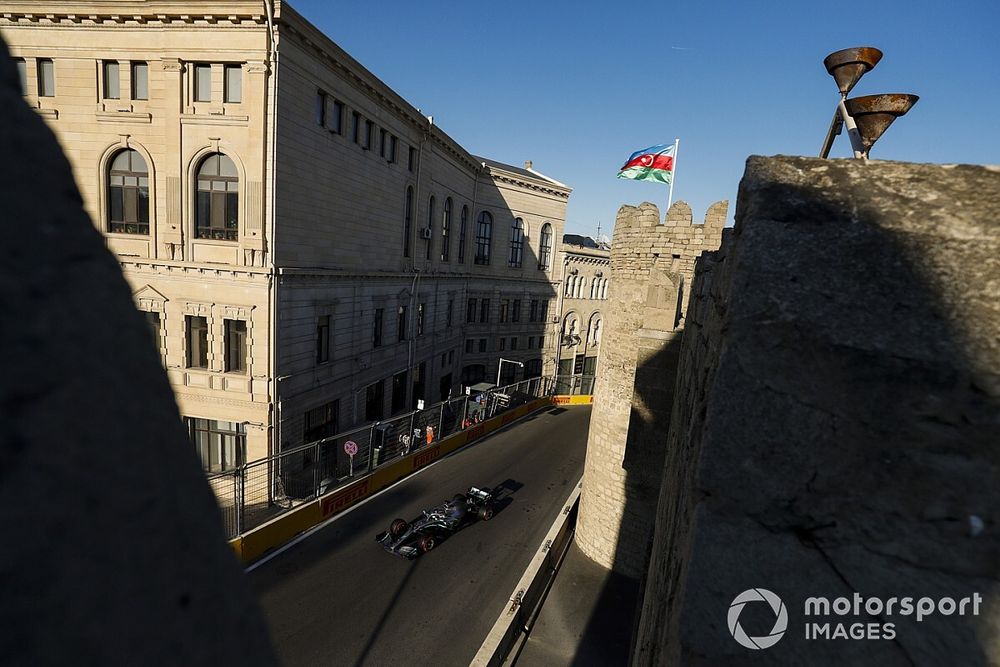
258	491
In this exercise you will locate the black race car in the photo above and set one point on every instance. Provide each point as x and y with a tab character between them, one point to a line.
411	539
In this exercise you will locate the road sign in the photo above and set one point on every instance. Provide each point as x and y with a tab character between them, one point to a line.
350	448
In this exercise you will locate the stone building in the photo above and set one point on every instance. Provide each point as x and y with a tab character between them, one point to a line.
651	266
586	277
311	252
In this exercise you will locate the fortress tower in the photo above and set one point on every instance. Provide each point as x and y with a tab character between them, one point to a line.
652	266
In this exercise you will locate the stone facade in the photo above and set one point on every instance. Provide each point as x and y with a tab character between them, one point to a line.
835	426
345	236
651	269
585	289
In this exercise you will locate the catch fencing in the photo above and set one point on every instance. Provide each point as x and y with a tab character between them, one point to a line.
258	491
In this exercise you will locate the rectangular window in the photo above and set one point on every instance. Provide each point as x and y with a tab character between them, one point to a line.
533	311
46	78
323	339
336	120
377	327
22	74
202	83
392	149
112	80
470	345
399	392
321	108
503	344
515	313
470	311
369	132
140	81
236	346
401	323
504	310
544	315
234	84
321	422
420	319
383	142
531	342
451	356
153	322
196	337
484	310
482	344
220	445
411	160
451	310
356	127
513	342
375	401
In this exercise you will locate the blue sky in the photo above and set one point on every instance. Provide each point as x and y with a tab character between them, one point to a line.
576	87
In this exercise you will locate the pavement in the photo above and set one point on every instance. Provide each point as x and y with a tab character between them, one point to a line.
586	619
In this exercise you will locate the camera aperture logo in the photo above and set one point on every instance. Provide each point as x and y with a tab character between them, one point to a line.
846	618
780	618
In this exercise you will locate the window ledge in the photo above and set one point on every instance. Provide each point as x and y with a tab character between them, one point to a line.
48	113
123	117
214	119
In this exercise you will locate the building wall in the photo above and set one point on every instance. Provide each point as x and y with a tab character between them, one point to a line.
337	210
584	298
169	270
651	268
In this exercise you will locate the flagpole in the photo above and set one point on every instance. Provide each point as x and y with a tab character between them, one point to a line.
673	175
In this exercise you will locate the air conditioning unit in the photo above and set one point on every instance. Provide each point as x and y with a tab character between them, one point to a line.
425	233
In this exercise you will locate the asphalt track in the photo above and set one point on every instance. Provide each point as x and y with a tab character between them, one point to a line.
337	598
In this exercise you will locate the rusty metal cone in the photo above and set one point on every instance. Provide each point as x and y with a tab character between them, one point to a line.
847	66
875	113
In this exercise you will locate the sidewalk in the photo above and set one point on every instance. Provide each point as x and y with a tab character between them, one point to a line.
586	618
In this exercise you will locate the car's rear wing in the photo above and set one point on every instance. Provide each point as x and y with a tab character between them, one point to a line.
482	495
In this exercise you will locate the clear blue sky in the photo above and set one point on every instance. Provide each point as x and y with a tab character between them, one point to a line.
576	87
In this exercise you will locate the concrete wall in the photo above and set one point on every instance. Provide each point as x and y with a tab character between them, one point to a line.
650	265
837	417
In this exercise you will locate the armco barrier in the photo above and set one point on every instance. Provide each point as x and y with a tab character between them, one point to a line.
505	640
254	544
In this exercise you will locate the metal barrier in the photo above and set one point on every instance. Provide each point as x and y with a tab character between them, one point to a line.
256	492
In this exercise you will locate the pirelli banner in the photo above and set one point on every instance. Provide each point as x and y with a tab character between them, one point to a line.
254	544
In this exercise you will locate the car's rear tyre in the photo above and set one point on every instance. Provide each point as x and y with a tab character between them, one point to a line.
486	512
398	527
426	543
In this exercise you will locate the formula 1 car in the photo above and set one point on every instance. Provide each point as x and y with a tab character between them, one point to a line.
412	539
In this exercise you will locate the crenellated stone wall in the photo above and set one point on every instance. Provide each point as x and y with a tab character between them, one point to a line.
837	420
651	267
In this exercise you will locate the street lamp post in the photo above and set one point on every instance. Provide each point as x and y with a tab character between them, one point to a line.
500	367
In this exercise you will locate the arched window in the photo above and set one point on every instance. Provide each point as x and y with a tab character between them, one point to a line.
484	236
430	226
446	230
604	289
569	286
516	243
545	247
581	283
407	221
594	288
217	215
594	329
462	229
128	194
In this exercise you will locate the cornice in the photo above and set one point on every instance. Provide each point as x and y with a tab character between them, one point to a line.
537	186
110	18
